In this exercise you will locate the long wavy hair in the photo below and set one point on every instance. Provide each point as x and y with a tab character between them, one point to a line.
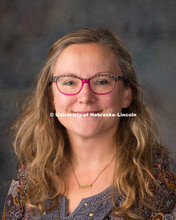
41	142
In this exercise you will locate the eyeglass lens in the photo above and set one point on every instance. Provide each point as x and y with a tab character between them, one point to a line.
72	85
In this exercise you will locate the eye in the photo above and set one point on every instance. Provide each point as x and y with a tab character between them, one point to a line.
69	83
102	82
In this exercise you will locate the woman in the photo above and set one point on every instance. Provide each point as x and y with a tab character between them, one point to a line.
74	165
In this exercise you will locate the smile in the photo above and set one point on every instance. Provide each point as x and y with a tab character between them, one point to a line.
87	112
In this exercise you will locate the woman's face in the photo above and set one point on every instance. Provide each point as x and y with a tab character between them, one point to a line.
85	61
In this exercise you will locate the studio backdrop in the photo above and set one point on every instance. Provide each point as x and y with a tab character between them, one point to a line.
28	29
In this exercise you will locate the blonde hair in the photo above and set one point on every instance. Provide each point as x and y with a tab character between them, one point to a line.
41	143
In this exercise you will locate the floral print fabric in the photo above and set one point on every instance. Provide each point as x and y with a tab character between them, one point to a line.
165	194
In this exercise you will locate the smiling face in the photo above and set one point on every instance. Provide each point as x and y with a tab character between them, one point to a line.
85	61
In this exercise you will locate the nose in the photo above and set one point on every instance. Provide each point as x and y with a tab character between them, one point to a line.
86	95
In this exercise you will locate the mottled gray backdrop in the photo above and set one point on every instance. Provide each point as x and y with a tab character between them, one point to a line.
29	27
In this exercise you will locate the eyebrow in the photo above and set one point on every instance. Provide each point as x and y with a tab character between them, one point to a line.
73	74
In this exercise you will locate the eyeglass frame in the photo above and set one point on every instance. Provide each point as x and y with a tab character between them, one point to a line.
83	80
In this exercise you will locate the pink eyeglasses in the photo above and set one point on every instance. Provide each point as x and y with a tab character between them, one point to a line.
99	84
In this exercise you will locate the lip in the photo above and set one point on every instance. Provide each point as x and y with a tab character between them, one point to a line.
85	112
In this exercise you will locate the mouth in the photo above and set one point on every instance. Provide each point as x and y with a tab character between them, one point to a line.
87	112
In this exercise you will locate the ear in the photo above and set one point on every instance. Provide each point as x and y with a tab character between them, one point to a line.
127	97
51	96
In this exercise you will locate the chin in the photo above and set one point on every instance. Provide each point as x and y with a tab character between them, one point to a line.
84	135
84	131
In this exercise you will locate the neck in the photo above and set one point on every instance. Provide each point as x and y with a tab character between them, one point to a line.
91	152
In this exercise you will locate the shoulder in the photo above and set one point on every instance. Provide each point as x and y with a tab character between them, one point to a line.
14	204
165	173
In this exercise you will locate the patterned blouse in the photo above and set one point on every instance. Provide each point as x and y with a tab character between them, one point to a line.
97	207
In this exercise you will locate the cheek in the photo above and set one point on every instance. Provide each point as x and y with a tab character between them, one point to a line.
113	103
62	103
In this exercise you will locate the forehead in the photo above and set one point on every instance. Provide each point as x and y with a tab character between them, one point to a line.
87	58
